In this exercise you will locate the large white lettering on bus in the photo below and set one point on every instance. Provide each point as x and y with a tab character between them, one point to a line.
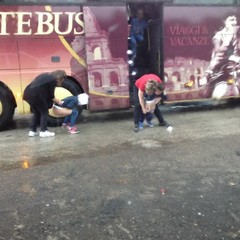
47	23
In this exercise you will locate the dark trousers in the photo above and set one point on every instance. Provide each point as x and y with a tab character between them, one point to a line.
138	114
40	116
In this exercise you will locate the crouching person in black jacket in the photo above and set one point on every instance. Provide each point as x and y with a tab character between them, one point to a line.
40	96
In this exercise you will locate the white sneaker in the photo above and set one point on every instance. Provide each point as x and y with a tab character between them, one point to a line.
46	134
32	134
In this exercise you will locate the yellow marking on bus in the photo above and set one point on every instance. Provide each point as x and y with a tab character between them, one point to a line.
18	95
107	95
48	8
67	45
184	91
73	53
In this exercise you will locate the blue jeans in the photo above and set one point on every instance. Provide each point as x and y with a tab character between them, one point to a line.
71	103
134	40
138	109
148	116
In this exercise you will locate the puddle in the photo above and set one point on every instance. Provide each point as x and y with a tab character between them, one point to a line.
111	209
148	143
238	153
28	162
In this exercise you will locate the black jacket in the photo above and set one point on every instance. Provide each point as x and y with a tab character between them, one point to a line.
41	90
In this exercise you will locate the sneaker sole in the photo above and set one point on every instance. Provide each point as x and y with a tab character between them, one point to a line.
33	135
46	136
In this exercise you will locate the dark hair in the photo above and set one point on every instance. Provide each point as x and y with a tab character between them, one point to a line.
59	74
160	87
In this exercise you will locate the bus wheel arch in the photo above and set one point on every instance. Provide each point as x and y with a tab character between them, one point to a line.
7	105
74	88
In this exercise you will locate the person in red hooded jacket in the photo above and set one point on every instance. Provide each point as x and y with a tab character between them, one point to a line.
149	84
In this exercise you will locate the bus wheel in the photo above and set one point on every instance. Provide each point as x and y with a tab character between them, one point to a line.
6	108
68	88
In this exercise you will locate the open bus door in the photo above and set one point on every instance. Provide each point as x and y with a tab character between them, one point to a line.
147	54
155	47
106	56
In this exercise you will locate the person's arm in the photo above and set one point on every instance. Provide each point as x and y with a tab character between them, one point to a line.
157	100
141	100
51	89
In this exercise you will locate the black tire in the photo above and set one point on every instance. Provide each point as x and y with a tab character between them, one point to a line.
75	90
8	108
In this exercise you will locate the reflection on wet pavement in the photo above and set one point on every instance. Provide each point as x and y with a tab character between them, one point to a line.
27	163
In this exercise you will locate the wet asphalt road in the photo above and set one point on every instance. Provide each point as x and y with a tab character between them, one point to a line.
110	183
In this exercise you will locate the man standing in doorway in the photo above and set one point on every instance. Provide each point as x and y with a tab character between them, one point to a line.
138	25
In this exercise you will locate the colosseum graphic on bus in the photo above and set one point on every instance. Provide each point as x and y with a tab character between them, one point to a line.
202	52
106	58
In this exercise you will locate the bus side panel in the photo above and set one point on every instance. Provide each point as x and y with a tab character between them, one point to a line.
8	54
9	66
106	53
38	55
189	47
47	53
47	38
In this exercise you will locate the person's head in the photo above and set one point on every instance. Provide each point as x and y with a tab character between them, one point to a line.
59	75
160	89
153	87
230	21
140	13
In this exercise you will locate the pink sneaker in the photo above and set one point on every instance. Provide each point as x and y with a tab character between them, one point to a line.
64	125
73	130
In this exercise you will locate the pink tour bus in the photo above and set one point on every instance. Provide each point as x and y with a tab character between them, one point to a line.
194	49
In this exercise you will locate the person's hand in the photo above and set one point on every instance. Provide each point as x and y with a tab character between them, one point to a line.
144	110
157	100
59	102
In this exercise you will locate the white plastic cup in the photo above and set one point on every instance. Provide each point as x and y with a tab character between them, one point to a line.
169	129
